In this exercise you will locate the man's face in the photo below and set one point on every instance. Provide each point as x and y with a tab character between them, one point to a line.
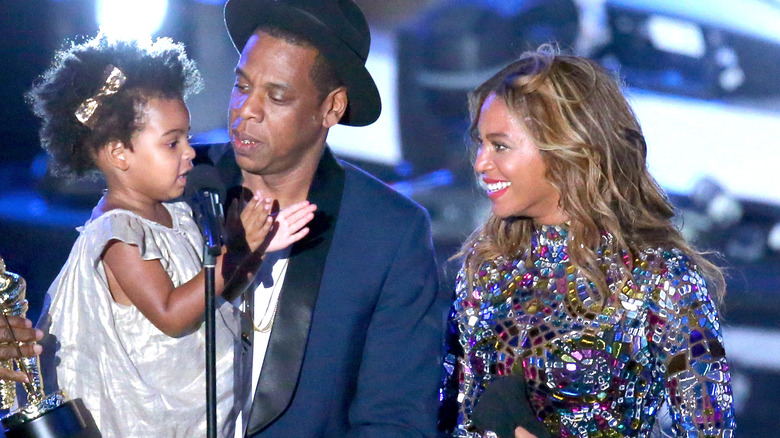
276	117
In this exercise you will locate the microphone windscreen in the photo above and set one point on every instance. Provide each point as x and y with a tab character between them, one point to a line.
205	193
204	177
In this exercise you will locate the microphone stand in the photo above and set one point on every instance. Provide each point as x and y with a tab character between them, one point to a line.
209	264
212	233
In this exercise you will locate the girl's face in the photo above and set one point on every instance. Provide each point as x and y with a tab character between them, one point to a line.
161	155
512	168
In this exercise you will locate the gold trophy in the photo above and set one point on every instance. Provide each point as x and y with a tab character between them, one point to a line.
53	416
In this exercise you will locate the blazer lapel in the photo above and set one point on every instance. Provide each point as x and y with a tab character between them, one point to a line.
284	357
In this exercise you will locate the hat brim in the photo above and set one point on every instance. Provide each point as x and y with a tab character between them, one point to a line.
242	17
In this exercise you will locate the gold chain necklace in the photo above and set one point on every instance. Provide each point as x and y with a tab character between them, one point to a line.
265	328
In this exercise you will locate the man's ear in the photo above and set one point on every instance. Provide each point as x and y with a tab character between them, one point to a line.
335	105
115	153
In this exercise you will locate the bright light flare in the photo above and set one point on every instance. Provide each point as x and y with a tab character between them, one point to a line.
130	19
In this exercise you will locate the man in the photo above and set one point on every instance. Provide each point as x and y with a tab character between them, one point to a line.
344	330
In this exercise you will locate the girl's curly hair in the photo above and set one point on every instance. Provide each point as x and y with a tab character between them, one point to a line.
154	69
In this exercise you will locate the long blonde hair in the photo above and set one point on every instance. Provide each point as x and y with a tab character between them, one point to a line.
595	155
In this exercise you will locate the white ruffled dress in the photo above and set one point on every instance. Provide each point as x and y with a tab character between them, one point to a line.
135	380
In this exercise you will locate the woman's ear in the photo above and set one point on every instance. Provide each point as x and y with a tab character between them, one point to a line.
115	154
335	105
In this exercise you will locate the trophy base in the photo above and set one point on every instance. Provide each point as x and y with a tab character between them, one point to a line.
71	419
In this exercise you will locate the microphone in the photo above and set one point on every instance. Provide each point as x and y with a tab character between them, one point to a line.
204	192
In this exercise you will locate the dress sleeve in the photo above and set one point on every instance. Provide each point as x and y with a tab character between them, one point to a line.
476	338
128	228
698	383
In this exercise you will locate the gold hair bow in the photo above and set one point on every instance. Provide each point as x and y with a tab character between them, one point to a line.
114	80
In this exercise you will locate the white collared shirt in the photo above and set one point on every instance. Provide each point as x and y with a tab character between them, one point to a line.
267	288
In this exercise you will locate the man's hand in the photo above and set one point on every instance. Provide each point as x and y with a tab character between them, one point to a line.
24	332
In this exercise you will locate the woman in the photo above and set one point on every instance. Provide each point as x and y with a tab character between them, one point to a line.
578	279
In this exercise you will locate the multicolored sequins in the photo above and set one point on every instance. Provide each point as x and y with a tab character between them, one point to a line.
595	366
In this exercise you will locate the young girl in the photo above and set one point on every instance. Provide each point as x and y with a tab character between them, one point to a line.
127	307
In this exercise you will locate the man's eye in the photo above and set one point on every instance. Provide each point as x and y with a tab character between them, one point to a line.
276	98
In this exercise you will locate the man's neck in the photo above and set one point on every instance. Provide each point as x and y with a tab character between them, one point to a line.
286	188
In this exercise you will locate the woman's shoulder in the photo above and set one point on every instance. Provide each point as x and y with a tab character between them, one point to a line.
665	261
487	278
674	277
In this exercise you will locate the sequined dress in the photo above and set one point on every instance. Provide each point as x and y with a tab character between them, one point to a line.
135	380
595	370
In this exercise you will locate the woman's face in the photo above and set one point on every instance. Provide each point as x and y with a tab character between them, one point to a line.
512	168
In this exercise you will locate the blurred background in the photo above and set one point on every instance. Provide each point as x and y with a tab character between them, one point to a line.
702	78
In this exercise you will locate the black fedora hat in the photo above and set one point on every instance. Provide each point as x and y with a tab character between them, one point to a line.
337	28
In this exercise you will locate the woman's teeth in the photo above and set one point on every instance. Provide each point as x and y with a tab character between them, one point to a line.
494	187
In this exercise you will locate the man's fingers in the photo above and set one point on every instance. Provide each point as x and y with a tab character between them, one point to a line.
18	321
10	351
16	376
22	334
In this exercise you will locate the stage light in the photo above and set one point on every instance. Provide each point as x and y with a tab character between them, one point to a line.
703	49
676	36
746	243
722	208
773	239
130	19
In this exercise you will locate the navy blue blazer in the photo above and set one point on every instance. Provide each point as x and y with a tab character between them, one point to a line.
355	349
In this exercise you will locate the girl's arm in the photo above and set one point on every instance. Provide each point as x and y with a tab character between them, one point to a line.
177	311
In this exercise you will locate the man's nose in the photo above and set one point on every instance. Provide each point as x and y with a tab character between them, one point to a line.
249	107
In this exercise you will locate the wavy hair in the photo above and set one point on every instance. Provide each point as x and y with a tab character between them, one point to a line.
595	156
159	69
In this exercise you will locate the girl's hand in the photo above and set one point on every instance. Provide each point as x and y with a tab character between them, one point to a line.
289	225
257	222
